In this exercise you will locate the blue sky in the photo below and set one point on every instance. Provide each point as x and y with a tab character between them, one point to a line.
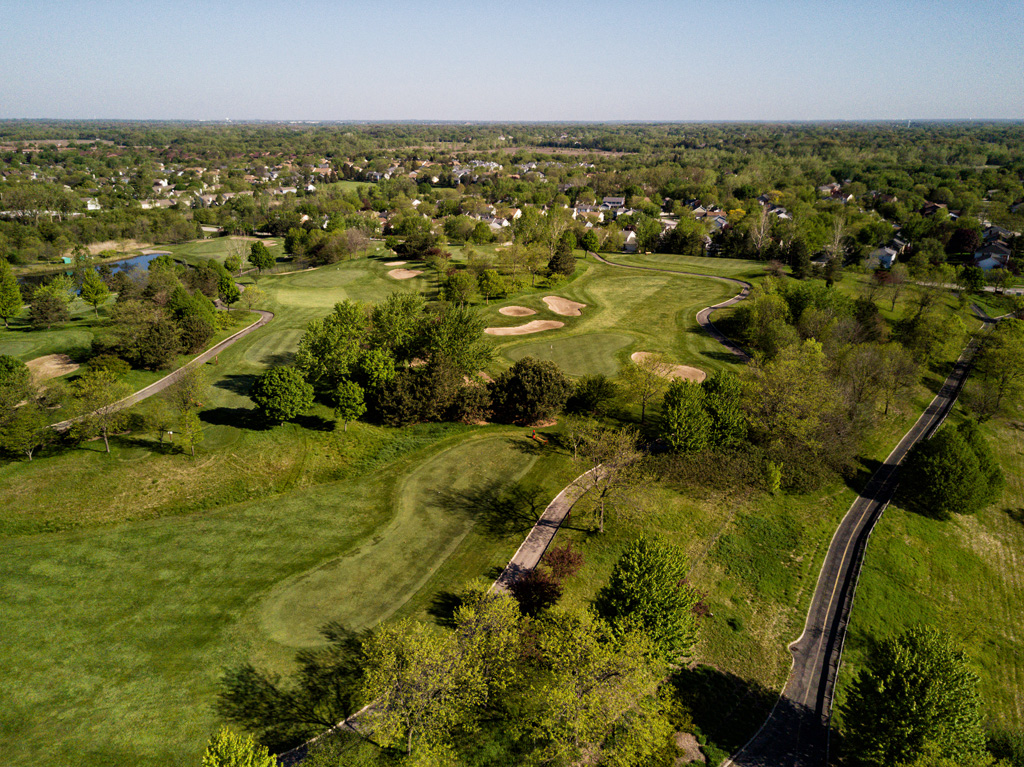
455	60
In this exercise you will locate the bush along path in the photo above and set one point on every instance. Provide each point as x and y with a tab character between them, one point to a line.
797	731
170	378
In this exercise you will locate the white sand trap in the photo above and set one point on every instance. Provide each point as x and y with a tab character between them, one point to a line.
404	274
397	263
516	311
51	366
521	330
564	306
673	372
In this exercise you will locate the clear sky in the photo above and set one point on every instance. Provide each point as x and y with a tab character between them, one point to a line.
507	61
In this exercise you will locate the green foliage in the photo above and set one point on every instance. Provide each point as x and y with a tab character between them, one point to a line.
281	394
647	593
14	384
454	337
94	290
491	284
687	425
348	401
10	293
228	749
593	394
260	257
25	430
723	393
563	261
459	287
916	691
50	302
954	472
331	346
530	391
96	394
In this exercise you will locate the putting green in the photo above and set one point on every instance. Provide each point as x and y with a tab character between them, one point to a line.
370	583
577	355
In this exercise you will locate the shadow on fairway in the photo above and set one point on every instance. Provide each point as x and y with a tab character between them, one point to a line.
238	417
501	507
314	422
237	383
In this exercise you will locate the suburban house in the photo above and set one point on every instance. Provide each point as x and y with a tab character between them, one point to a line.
629	242
992	255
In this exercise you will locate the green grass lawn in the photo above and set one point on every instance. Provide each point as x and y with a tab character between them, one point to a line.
964	576
626	311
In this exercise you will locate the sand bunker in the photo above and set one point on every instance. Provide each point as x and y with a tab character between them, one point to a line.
521	330
51	366
397	263
404	274
673	372
516	311
563	306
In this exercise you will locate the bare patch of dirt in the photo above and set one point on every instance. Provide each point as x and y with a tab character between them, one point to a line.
516	311
404	274
688	744
51	366
564	306
521	330
673	372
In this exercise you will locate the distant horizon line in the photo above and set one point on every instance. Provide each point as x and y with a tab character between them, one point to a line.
418	121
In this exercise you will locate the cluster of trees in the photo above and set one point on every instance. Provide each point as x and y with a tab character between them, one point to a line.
506	680
402	361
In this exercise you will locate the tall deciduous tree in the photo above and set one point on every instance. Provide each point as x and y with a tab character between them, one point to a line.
687	425
26	430
616	472
645	379
10	293
916	689
281	394
598	696
647	593
348	401
260	257
228	749
530	391
94	290
97	395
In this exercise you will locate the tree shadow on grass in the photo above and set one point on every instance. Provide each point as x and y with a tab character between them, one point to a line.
720	355
237	383
314	422
285	712
237	417
1017	515
443	606
501	507
727	709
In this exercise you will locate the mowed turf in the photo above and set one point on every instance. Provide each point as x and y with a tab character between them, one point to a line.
578	355
115	637
367	585
657	311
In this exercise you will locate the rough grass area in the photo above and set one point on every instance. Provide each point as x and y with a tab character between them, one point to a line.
964	576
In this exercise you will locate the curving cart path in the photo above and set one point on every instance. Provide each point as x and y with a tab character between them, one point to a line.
796	733
170	378
532	548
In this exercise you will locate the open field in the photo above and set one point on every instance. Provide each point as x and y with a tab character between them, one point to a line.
964	576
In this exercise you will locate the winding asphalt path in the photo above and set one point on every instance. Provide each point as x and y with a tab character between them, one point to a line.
796	733
704	315
170	378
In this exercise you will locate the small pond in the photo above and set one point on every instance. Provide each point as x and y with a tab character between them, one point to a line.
125	264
